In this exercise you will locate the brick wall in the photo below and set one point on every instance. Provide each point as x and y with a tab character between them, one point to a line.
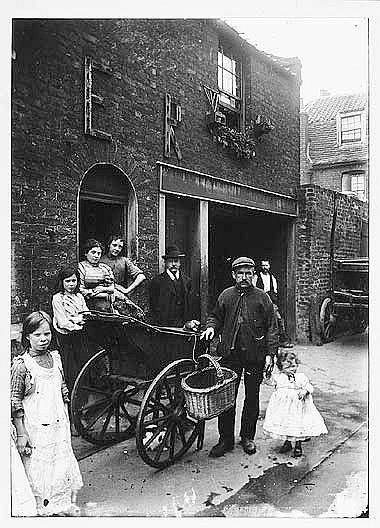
331	177
304	139
51	153
313	244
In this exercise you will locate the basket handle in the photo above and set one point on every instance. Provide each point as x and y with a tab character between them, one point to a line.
215	364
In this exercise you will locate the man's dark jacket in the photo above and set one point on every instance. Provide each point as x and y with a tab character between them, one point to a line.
162	299
262	324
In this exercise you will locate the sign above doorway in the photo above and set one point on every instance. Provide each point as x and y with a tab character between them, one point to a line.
185	182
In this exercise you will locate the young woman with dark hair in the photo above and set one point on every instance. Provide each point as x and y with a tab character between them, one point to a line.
126	274
68	306
96	278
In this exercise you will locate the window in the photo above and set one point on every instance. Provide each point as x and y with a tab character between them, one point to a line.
229	84
350	128
354	184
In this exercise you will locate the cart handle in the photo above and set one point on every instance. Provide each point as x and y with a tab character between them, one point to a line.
215	364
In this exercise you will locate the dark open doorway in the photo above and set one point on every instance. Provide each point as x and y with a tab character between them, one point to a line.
235	232
99	220
107	205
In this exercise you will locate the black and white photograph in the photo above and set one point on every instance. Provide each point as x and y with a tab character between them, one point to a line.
189	262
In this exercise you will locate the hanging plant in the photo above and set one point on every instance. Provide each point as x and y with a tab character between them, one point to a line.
242	144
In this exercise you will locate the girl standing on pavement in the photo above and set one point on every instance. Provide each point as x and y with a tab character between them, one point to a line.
68	307
39	399
291	414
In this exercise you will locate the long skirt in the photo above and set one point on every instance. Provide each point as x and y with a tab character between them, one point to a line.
75	351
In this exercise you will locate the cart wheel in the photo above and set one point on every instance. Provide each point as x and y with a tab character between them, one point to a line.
327	320
164	431
104	405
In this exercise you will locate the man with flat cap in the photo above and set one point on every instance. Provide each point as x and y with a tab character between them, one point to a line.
170	292
244	318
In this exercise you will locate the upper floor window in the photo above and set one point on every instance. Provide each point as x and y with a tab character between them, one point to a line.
229	84
350	127
355	184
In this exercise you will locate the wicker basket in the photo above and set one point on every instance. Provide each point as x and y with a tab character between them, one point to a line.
210	391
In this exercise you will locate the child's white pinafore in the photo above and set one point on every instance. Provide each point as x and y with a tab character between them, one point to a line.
289	418
52	468
23	501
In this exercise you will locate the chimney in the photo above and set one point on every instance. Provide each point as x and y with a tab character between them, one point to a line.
324	93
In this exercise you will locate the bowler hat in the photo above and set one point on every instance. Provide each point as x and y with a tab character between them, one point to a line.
172	252
242	261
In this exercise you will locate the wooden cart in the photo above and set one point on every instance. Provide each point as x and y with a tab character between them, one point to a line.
346	307
132	386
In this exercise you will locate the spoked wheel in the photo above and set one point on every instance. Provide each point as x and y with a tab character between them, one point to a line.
327	320
104	404
164	431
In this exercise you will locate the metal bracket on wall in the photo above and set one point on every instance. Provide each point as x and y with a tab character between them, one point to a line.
173	116
91	98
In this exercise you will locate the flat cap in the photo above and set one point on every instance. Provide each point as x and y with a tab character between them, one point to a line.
242	261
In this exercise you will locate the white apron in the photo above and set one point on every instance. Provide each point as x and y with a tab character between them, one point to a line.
23	501
52	468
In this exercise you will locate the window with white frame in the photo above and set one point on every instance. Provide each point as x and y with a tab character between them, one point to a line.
351	128
354	183
229	84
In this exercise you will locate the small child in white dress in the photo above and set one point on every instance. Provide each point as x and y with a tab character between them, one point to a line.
291	414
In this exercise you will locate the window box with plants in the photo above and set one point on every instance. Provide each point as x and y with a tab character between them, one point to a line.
242	143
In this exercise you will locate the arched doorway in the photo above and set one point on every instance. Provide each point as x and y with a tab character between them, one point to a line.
107	204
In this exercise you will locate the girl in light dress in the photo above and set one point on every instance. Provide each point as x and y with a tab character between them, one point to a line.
291	414
39	399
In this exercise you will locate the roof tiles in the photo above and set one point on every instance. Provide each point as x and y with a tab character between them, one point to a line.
326	108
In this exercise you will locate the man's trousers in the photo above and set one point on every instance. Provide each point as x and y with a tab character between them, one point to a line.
253	376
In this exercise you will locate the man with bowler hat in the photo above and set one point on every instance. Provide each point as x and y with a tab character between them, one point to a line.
170	292
244	317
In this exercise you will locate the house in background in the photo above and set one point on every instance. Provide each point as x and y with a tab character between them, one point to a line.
334	143
333	197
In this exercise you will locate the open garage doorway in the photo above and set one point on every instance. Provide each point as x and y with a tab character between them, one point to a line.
107	205
234	232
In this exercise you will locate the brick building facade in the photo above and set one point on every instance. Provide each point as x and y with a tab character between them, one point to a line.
109	132
316	208
334	144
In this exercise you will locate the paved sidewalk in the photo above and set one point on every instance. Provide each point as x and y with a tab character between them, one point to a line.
117	482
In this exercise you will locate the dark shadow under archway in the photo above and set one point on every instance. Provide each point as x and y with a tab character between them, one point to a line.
107	204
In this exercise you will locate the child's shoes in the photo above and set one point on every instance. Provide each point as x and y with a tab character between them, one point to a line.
297	450
286	447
